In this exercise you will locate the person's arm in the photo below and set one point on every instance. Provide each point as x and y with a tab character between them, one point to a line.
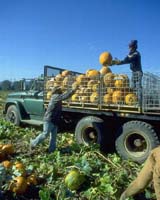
128	59
66	95
144	177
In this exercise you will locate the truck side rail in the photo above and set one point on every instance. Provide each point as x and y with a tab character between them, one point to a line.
109	92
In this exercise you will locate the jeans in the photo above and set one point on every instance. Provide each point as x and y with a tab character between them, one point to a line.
150	172
48	128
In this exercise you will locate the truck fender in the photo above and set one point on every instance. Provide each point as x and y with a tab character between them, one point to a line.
19	109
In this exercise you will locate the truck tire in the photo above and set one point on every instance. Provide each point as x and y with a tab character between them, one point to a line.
136	141
12	115
89	130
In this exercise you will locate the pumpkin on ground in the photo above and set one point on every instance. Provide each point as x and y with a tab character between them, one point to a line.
32	179
105	58
8	148
74	179
7	164
18	185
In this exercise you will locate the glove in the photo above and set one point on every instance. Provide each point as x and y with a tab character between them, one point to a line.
115	62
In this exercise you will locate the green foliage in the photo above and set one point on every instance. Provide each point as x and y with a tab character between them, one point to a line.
106	176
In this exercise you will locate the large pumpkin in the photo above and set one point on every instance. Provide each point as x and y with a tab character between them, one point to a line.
7	164
95	87
74	179
109	79
91	83
105	58
18	185
92	73
117	97
94	97
84	99
122	81
81	79
131	99
8	148
104	70
58	77
75	97
107	98
66	73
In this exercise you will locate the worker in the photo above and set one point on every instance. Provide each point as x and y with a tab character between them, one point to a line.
134	59
149	172
52	117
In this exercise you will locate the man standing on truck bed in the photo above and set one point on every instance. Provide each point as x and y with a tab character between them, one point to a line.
149	172
134	59
52	117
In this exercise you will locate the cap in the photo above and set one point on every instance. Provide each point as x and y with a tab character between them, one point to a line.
133	43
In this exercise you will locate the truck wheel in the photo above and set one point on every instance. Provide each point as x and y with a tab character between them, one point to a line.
12	115
136	141
89	130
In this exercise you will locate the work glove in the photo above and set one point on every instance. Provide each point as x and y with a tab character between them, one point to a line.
115	62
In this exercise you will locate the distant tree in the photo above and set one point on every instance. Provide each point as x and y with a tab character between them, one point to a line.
6	85
17	85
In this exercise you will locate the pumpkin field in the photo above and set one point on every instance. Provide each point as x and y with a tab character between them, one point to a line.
72	172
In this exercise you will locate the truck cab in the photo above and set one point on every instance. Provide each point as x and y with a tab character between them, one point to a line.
26	106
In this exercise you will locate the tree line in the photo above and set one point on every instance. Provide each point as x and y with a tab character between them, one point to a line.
11	85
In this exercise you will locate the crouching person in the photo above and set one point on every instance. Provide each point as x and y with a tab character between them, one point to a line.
150	172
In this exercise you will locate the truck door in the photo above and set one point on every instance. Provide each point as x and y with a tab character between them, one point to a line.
33	104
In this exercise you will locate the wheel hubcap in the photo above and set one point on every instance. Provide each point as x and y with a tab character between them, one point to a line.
136	145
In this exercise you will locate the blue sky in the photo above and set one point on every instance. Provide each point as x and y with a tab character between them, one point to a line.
72	34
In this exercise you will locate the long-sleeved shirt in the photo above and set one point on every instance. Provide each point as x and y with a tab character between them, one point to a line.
54	110
134	59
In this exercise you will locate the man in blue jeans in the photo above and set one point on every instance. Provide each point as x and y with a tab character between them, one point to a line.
134	59
52	117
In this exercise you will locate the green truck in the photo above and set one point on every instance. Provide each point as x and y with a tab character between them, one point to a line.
119	123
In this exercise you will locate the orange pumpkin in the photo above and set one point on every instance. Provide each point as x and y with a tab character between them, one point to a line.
107	98
8	148
32	179
84	99
105	58
18	185
109	80
7	164
94	97
104	70
117	97
75	97
131	99
80	79
66	73
92	73
122	81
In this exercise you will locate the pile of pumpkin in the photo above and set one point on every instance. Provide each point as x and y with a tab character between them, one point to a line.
96	85
13	173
